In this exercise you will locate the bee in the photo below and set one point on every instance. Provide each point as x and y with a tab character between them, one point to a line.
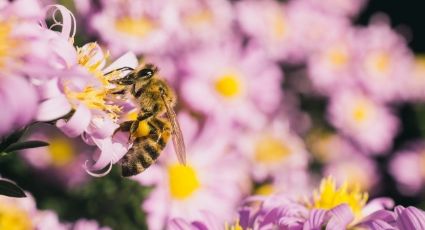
155	99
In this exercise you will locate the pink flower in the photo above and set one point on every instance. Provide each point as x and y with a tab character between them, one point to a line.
384	62
332	66
61	161
185	191
371	125
274	151
229	83
22	213
84	224
141	24
412	157
270	27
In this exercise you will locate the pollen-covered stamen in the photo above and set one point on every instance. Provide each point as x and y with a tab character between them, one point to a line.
93	98
329	196
228	85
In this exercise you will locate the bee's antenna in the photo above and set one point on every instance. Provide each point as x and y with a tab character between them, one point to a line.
120	69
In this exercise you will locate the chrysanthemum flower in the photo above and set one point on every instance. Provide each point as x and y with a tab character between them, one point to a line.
141	24
368	123
229	83
213	180
269	27
62	159
332	65
384	62
412	157
275	152
199	22
22	213
24	57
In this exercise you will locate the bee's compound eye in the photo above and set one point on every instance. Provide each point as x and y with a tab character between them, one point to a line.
145	73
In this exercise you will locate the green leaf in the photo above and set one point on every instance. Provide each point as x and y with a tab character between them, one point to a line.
9	188
12	138
25	145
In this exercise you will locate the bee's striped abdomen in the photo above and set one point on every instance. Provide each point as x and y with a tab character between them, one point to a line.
145	150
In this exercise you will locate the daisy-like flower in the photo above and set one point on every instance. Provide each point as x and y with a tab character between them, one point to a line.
213	180
62	159
199	22
412	157
230	83
81	98
141	24
22	213
269	27
24	56
312	27
384	62
368	123
331	207
276	152
342	160
332	65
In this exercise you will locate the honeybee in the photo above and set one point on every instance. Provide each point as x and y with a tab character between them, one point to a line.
156	99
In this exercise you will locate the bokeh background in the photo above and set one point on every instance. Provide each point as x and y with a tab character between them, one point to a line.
272	96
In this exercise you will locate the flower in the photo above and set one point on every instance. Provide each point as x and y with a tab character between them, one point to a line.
411	157
141	24
60	161
83	93
348	8
415	83
384	60
84	224
276	153
368	123
228	83
22	213
185	191
270	27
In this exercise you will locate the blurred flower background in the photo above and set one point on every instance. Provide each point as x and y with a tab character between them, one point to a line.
297	113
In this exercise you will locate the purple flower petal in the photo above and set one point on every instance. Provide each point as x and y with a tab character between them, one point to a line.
316	219
410	218
376	218
340	217
179	224
53	108
76	125
101	128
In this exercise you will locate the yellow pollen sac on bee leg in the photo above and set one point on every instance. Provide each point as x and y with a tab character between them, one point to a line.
143	129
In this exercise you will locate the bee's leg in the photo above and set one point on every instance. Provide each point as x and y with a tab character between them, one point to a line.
160	125
124	127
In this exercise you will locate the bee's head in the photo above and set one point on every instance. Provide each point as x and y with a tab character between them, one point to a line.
146	73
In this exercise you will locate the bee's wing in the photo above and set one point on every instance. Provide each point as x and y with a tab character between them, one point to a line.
177	135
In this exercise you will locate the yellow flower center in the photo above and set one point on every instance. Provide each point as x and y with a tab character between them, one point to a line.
329	196
379	63
228	85
198	18
94	97
138	27
183	181
8	44
270	150
362	111
279	25
61	151
14	218
337	56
